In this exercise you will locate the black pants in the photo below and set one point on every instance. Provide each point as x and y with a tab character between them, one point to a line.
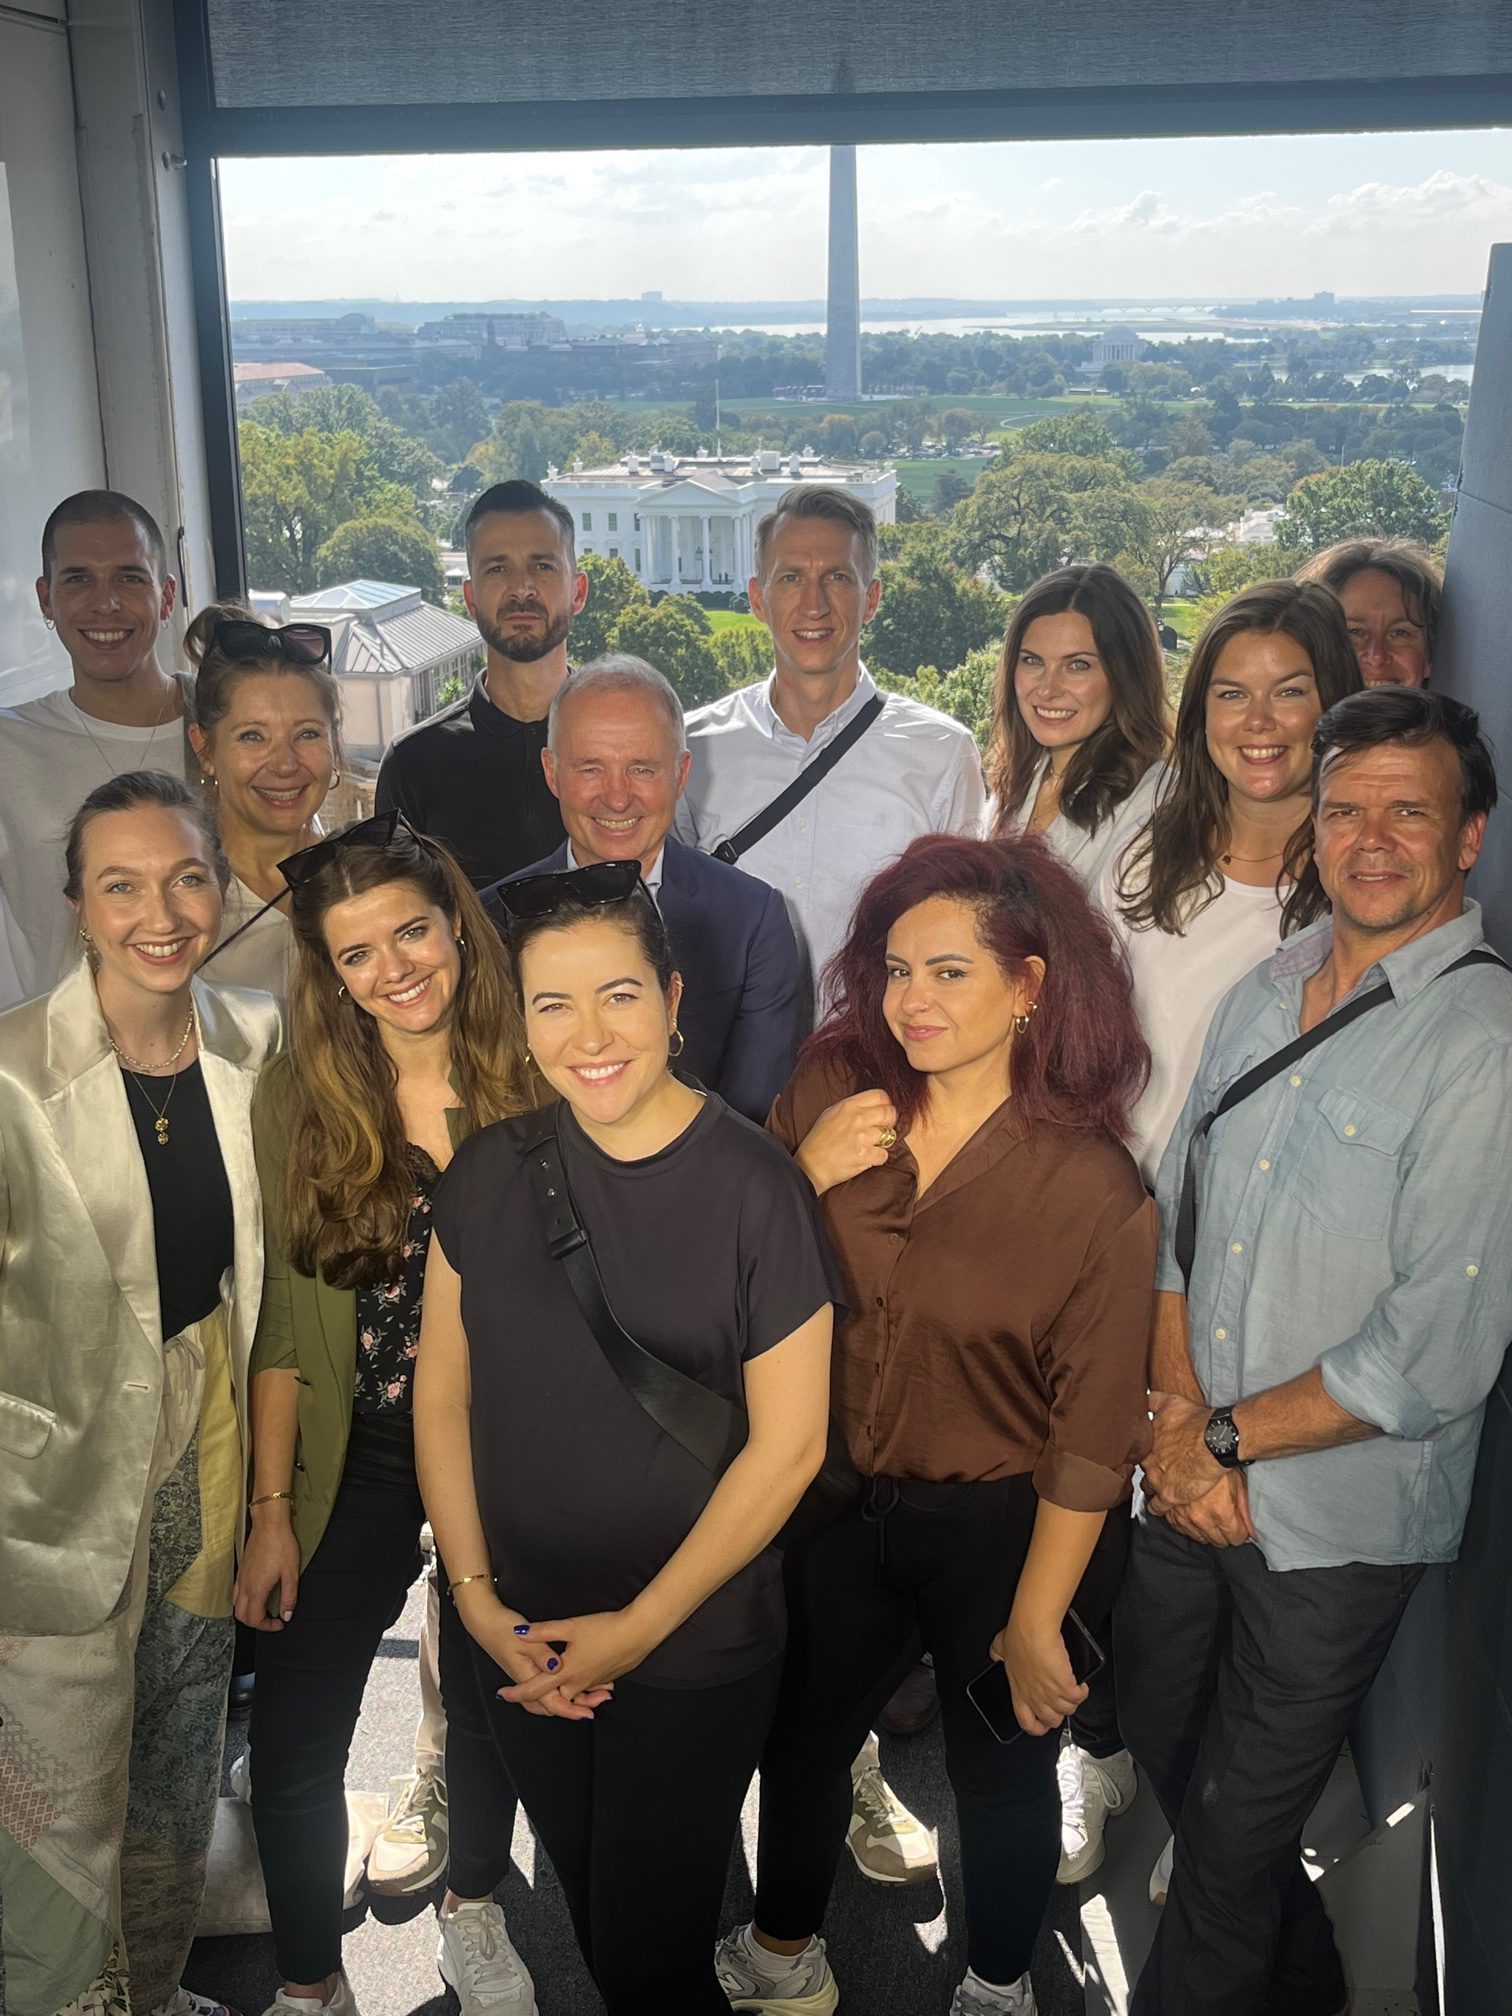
638	1811
310	1680
921	1567
1238	1688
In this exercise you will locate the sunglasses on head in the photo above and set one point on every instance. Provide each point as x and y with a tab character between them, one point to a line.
295	643
536	896
379	831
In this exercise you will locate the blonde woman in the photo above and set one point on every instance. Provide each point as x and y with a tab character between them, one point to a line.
131	1272
404	1037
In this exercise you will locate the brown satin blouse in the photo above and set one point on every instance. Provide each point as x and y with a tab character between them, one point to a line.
999	1323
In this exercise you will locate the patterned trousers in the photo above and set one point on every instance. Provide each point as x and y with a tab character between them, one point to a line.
110	1742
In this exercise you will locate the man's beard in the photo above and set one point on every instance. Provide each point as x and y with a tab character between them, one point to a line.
524	647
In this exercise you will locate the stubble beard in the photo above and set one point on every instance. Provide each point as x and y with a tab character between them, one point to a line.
525	648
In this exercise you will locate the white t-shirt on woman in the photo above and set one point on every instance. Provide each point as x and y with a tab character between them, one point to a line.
1178	983
1087	854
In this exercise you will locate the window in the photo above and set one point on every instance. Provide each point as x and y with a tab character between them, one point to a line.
614	552
637	521
614	521
587	521
637	560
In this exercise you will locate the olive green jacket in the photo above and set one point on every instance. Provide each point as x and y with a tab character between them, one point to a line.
305	1325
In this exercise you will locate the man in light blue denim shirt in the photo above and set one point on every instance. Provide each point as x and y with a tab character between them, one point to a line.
1318	1385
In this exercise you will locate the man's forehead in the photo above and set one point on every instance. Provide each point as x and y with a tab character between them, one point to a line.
102	542
1428	767
518	531
794	538
610	721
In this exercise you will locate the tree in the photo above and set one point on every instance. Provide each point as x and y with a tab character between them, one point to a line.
932	612
345	409
593	450
955	425
297	489
458	419
1379	500
1038	511
382	549
873	443
1167	531
612	589
673	635
743	653
951	488
836	437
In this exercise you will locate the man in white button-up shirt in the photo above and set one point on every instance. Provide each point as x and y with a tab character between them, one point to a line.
913	771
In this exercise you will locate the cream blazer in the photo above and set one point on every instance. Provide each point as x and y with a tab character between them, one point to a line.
81	1341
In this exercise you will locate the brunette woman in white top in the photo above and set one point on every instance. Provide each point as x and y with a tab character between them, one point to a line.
1211	885
1080	718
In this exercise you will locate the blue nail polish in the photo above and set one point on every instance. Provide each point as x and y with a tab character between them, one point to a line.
522	1630
552	1665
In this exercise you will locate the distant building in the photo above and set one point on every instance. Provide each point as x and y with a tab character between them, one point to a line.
842	329
1255	528
1113	346
391	652
689	522
256	381
467	336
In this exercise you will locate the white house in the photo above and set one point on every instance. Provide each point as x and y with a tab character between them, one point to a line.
688	523
392	654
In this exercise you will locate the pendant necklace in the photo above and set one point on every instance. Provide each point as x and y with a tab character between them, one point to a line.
159	1113
132	1065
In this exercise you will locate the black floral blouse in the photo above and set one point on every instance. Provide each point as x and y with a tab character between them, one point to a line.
388	1316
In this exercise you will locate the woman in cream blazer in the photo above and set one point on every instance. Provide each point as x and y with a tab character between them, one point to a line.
131	1268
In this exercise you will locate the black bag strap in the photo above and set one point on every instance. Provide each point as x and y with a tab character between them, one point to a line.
808	778
712	1429
1185	1238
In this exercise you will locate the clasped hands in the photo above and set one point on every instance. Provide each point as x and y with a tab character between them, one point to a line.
565	1667
1186	1485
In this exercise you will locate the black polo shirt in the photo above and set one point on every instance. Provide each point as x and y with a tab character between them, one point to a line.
471	776
710	1253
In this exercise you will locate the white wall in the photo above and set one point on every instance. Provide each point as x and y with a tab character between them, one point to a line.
50	432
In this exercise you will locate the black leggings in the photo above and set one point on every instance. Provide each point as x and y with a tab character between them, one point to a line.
638	1811
920	1566
310	1680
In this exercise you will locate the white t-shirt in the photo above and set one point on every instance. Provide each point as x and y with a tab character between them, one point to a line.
50	761
1178	983
1087	854
263	956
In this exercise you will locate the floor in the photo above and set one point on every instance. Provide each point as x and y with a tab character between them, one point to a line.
894	1951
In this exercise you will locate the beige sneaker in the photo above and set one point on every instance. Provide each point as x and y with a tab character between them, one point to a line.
410	1849
887	1842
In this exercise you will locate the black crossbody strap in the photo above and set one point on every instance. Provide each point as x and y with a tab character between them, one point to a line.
810	776
1184	1240
712	1429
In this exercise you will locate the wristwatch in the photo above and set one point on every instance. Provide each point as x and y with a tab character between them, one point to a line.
1222	1438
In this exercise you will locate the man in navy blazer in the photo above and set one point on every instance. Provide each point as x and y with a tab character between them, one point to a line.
617	758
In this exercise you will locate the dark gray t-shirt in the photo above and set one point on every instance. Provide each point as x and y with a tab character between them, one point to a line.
710	1252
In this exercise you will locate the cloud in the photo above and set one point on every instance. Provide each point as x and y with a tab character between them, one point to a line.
1438	196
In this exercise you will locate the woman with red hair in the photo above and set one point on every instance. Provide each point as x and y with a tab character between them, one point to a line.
961	1112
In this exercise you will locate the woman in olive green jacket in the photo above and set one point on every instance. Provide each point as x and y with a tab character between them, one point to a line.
403	1037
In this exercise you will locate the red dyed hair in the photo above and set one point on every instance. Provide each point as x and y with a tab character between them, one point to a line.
1081	1063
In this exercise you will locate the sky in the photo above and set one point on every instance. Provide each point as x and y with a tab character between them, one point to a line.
1400	213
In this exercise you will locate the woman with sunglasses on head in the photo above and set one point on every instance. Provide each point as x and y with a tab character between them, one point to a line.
403	1038
614	1571
131	1272
1080	717
961	1113
264	725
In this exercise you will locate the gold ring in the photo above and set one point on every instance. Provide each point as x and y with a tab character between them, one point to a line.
887	1137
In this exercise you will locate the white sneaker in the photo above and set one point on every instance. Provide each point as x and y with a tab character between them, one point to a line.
342	2003
410	1849
980	1998
887	1842
477	1958
187	2003
1160	1875
1092	1790
240	1776
770	1984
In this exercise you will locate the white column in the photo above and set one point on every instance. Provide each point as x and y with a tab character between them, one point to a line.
708	552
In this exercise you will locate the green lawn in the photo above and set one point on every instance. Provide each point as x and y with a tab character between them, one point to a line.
732	619
919	478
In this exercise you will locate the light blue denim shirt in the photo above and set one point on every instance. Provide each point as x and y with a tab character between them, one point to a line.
1356	1213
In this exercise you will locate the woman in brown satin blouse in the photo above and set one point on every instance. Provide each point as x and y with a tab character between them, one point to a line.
962	1113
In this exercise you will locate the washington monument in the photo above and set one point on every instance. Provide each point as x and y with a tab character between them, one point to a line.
842	341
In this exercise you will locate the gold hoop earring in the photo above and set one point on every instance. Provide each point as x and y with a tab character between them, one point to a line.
682	1043
1021	1022
530	1063
341	992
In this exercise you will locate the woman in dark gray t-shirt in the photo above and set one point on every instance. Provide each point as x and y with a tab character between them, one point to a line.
626	1608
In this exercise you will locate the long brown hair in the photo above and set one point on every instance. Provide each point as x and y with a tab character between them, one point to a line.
1170	873
349	1169
1106	767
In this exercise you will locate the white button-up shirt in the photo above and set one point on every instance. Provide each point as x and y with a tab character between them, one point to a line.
651	876
914	771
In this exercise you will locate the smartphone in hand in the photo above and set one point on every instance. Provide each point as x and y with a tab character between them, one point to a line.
992	1697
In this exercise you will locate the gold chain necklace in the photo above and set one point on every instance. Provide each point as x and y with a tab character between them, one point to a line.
159	1113
135	1063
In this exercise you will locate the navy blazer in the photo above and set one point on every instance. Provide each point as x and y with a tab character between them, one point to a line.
743	999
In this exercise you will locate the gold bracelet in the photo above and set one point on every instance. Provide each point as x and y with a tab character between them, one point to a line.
453	1587
268	1497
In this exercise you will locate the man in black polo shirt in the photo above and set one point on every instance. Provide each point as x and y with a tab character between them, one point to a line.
471	775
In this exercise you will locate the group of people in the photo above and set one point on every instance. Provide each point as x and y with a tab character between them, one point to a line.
782	1207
